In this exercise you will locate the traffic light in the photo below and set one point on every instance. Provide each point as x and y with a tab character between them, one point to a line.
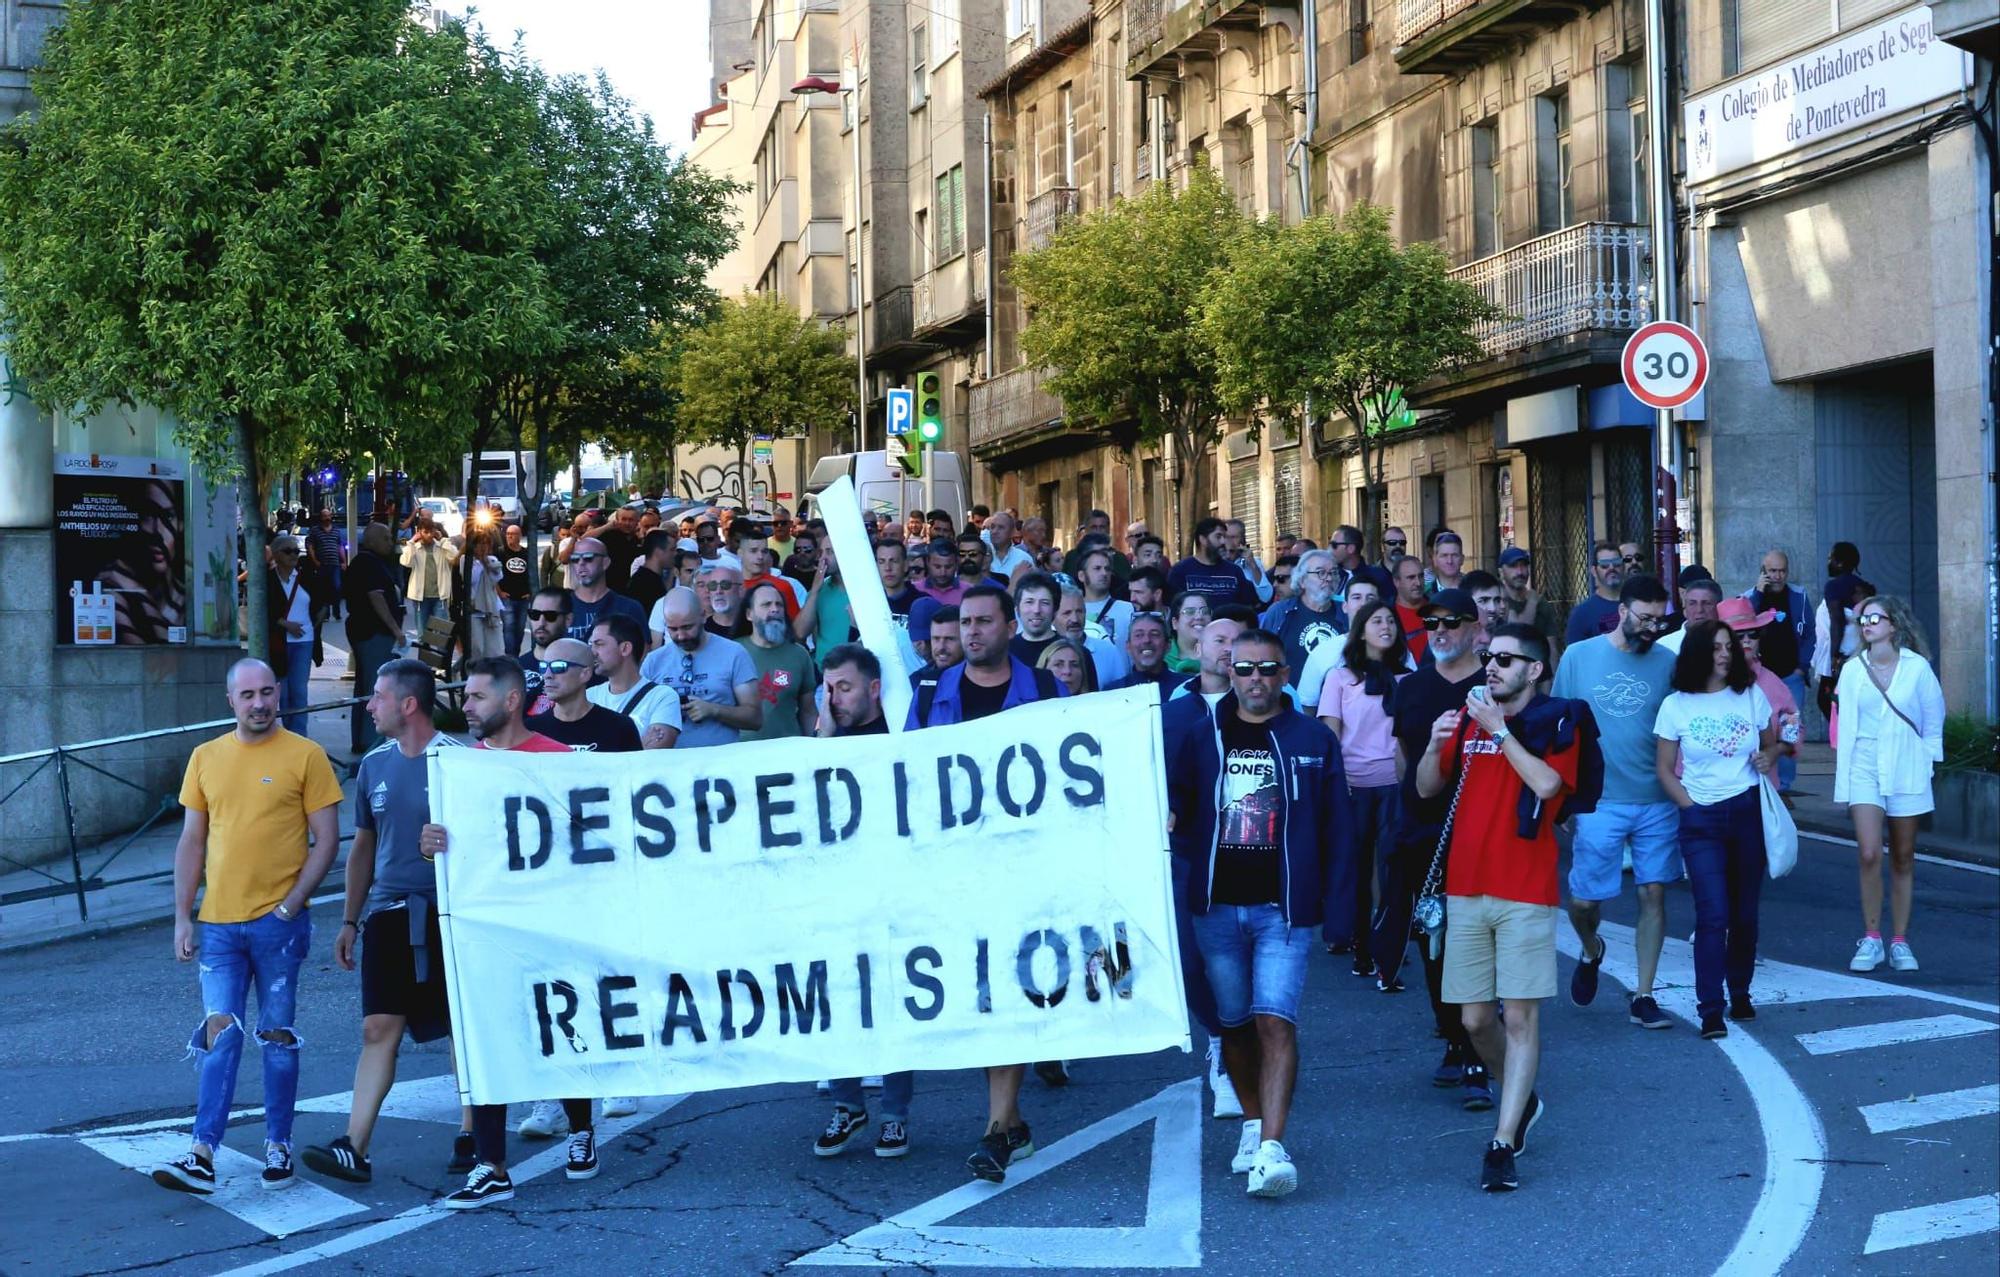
930	408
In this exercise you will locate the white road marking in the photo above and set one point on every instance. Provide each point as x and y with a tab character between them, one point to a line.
1863	1037
1170	1237
238	1187
1794	1141
1941	1222
428	1099
1928	1110
1924	856
416	1217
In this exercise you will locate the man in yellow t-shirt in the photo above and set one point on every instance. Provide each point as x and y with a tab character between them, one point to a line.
252	798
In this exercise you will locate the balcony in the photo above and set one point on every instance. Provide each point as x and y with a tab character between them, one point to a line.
1046	214
1013	413
1447	37
1156	30
1585	278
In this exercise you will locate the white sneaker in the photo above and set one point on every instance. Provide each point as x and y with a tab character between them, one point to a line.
620	1106
545	1121
1901	956
1227	1106
1247	1146
1273	1175
1867	954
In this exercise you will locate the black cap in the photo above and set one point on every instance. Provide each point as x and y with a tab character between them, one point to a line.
1450	603
1691	573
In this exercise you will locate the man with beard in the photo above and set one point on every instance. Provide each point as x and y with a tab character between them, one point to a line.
1488	597
1108	663
785	673
1311	617
648	582
1785	647
1598	614
1148	590
1525	604
1146	647
592	599
1624	676
618	645
715	677
620	540
1210	571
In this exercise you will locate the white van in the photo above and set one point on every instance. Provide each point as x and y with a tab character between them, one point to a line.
886	489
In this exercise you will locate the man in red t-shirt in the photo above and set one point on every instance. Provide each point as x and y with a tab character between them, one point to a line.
496	692
1411	603
1500	887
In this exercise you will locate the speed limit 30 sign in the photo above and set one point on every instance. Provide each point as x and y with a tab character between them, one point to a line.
1665	364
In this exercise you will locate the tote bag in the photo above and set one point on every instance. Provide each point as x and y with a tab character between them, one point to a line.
1781	834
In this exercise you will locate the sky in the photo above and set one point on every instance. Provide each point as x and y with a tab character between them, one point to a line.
655	51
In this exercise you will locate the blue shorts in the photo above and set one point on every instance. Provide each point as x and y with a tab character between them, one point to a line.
1256	961
1597	853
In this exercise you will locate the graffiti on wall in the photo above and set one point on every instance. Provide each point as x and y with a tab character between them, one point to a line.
725	483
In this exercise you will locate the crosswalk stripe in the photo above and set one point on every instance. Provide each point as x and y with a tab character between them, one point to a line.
424	1099
1940	1222
1928	1110
1861	1037
239	1190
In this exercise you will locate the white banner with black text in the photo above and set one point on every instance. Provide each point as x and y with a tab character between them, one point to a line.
659	923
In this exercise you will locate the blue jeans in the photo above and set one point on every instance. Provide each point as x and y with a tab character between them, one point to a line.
896	1091
269	951
1788	765
1256	961
1723	845
296	691
367	658
426	610
1375	812
515	623
1194	975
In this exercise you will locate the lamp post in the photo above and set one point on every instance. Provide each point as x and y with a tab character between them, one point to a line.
820	84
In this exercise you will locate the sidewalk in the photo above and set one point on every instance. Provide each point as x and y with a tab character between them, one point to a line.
142	874
1816	812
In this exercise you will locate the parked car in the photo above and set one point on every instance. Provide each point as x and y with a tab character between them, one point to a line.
445	513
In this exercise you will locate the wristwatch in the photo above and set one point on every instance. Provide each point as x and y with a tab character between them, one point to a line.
1500	737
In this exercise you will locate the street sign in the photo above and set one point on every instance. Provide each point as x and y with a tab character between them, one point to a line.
1665	364
902	410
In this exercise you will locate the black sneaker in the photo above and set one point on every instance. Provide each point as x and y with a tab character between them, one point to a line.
1364	966
1053	1072
1387	984
1741	1008
989	1160
1583	981
1020	1144
1646	1014
1450	1070
581	1162
1497	1174
1529	1116
1338	947
1712	1025
278	1171
1478	1089
893	1141
464	1154
338	1160
484	1186
844	1129
188	1173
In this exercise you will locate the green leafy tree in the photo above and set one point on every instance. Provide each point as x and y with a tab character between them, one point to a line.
758	368
1113	303
271	218
1332	313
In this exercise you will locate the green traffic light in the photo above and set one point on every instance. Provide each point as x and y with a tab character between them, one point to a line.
930	408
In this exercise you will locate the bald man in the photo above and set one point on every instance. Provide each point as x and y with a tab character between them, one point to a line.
715	676
587	728
592	598
374	624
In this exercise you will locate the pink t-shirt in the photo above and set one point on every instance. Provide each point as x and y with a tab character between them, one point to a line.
1367	734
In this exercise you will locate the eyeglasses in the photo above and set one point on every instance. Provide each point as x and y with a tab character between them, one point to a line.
1610	563
286	554
587	558
536	614
719	587
1435	623
1873	618
1244	669
1282	578
561	667
1320	572
1504	660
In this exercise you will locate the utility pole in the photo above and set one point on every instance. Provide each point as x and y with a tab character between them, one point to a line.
1666	446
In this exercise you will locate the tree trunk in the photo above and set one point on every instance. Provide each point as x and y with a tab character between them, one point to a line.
1193	467
250	500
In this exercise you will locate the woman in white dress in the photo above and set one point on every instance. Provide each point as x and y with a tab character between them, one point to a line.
1889	735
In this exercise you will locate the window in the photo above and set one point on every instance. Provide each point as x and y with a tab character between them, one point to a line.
1555	201
1030	158
1068	136
944	28
767	168
853	275
1357	30
1486	188
767	39
1624	143
920	89
767	283
1755	32
949	225
920	243
1022	16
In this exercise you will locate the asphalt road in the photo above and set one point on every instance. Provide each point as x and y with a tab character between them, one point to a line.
1661	1153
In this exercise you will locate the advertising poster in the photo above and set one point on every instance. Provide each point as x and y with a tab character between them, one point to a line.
211	539
120	531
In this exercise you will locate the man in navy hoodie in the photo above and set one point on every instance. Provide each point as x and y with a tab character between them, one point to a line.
1260	808
990	679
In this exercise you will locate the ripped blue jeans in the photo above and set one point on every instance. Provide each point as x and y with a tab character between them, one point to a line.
269	951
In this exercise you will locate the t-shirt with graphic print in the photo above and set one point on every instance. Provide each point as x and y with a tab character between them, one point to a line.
392	800
1717	733
1624	690
1248	834
784	673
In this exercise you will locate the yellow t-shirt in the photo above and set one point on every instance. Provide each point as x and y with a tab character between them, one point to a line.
257	798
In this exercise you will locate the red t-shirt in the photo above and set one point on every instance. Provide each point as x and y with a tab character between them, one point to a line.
1415	636
1488	855
535	743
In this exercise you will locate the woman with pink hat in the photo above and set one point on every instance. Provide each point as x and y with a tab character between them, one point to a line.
1742	616
1890	715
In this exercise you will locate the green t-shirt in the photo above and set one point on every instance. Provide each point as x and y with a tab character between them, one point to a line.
784	674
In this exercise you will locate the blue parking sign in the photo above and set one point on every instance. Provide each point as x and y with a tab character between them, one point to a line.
902	410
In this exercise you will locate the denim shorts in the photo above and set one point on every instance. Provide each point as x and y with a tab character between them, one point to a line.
1256	961
1597	853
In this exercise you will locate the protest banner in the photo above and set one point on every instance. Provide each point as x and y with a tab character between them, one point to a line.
881	630
779	911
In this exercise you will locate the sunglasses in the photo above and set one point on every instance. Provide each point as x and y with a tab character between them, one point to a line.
1873	618
1504	660
1634	559
587	558
561	667
1396	544
1244	669
536	614
1435	623
1610	563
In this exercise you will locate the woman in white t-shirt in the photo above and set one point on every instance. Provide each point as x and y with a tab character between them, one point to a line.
1889	712
1354	702
1716	738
